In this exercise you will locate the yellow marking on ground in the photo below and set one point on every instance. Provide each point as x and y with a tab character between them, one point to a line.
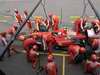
55	54
63	66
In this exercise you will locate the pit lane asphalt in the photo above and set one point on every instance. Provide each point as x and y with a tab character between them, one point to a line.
17	65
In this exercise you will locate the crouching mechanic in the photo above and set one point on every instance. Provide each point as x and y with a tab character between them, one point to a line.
33	55
51	67
94	36
76	53
28	43
51	42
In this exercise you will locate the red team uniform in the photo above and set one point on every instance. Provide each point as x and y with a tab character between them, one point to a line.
29	23
79	24
27	45
51	67
53	22
18	17
92	64
33	55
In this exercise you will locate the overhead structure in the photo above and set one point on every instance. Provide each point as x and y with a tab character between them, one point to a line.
44	9
94	9
84	9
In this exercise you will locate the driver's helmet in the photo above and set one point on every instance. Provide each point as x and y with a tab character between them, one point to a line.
88	25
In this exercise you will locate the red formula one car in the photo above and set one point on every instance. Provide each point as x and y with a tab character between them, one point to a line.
59	39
